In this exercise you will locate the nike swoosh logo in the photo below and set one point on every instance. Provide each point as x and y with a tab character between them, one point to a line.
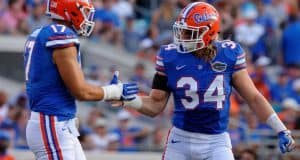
173	141
180	67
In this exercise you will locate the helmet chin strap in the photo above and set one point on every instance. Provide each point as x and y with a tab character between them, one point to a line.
188	47
68	16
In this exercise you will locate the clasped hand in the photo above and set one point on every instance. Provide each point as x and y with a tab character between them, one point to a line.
124	91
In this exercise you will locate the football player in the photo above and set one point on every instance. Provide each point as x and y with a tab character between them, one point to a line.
54	80
200	71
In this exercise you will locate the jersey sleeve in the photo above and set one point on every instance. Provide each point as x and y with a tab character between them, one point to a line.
160	66
240	60
61	36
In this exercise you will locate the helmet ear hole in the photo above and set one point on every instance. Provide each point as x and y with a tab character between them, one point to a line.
209	26
74	14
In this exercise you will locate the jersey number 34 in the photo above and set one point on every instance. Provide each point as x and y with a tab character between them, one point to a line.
214	93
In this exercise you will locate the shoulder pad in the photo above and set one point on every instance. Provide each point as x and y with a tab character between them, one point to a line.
60	36
231	49
168	51
169	48
235	53
164	55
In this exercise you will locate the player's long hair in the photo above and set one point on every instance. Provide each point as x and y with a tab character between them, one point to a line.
207	54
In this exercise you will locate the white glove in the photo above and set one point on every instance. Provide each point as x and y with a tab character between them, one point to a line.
119	91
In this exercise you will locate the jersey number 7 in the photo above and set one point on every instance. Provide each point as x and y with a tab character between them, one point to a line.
192	92
28	53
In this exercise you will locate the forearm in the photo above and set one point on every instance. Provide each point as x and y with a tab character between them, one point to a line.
261	107
150	107
265	113
89	92
257	102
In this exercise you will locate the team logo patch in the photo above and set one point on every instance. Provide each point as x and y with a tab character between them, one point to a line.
198	18
218	66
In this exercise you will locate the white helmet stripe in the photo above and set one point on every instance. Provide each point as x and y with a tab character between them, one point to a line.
48	6
189	7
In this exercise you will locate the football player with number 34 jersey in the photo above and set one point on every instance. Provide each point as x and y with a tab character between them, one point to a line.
200	71
54	80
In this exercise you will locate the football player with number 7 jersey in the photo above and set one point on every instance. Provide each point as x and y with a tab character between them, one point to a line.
200	71
54	80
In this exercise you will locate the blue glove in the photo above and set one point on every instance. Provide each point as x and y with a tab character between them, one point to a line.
286	141
115	79
129	89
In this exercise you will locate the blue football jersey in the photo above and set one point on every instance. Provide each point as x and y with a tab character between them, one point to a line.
201	90
45	88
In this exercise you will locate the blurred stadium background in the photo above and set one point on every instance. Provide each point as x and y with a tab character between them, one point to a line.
127	35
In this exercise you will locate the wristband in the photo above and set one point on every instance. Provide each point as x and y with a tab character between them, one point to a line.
136	103
111	92
274	122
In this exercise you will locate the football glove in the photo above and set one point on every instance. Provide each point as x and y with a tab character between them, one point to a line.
286	141
119	91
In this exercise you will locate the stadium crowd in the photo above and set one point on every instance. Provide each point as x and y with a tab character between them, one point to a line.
269	31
